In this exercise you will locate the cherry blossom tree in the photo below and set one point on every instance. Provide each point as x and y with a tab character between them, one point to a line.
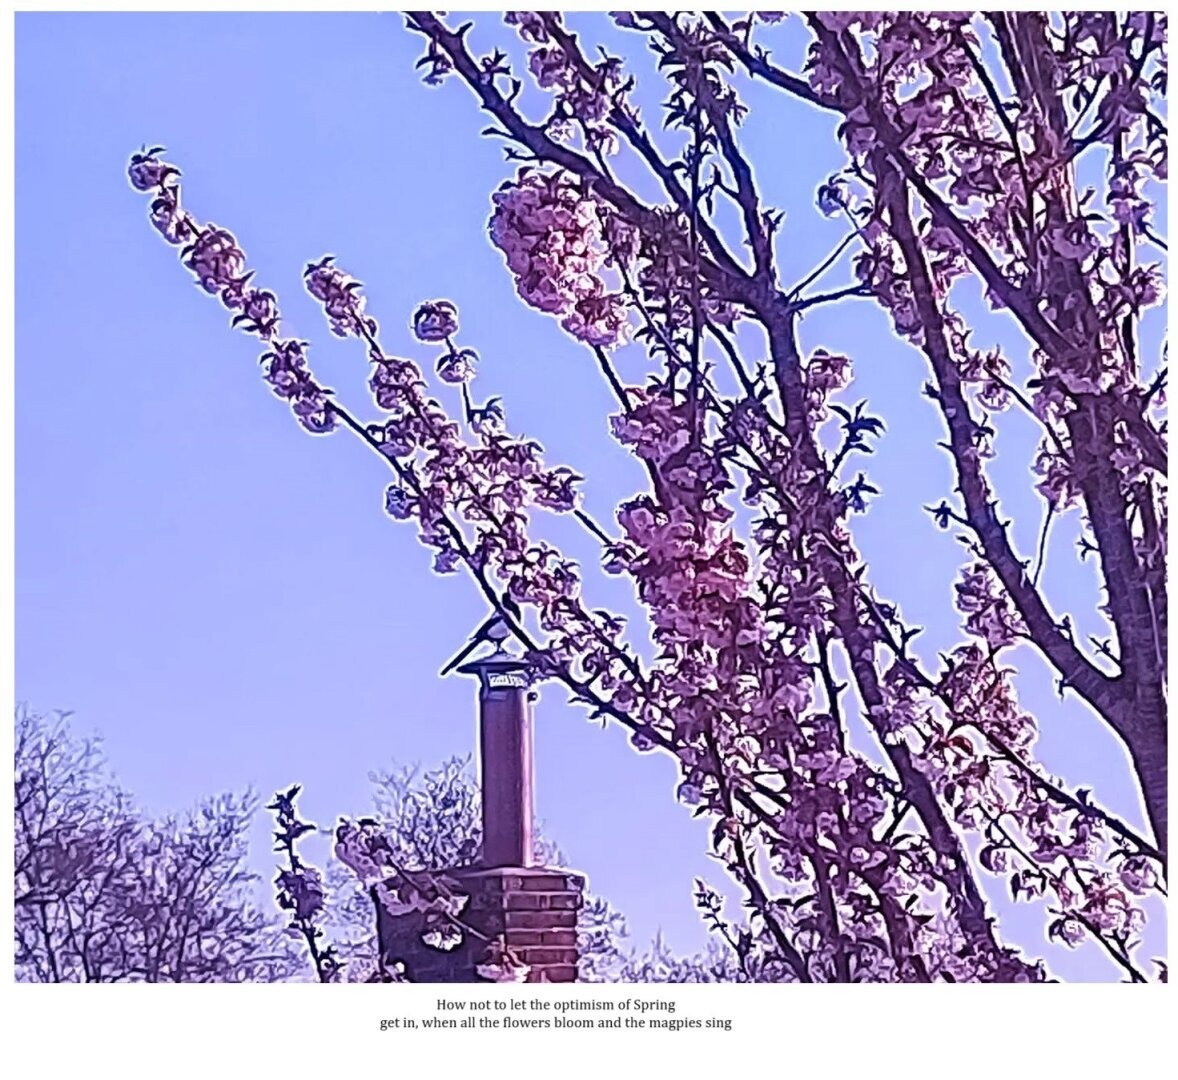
965	137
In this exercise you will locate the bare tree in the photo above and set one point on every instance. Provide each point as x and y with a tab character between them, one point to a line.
104	893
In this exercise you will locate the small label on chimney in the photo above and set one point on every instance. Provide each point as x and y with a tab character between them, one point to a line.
500	680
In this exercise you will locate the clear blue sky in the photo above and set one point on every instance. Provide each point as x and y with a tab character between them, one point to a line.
221	595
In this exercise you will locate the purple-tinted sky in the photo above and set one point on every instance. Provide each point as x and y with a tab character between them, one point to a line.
219	594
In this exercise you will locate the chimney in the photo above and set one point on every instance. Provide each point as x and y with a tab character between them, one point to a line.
529	911
506	763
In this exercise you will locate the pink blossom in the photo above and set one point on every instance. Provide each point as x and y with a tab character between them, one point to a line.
457	366
340	295
988	610
215	259
435	320
148	171
398	502
1139	875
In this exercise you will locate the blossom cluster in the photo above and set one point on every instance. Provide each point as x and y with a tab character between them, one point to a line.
552	236
988	610
340	296
586	94
826	373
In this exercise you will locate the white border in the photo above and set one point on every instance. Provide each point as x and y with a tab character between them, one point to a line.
779	1031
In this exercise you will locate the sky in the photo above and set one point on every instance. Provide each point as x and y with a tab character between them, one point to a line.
221	596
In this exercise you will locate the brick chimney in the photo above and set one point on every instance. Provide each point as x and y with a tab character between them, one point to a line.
531	911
